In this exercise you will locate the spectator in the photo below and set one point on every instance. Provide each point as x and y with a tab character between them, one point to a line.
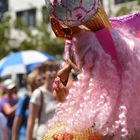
9	103
22	111
42	103
3	127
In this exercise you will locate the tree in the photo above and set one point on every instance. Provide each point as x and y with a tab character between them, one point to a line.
138	2
127	9
123	11
4	36
42	40
40	37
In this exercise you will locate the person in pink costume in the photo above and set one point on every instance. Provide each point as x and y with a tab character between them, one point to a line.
104	103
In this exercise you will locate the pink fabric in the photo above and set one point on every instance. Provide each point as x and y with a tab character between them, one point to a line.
100	99
106	42
138	35
130	22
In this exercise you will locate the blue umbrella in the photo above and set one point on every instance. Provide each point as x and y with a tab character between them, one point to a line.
16	62
34	65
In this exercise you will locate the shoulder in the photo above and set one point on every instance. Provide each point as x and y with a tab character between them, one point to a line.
3	100
36	93
36	96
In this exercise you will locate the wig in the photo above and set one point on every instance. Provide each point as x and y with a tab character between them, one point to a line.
101	98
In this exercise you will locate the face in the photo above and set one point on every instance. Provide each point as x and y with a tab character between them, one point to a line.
38	81
49	73
12	91
64	31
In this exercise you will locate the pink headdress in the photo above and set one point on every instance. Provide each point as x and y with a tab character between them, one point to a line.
73	12
68	15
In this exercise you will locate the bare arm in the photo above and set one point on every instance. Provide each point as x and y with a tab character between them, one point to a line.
8	110
34	110
63	81
60	83
16	125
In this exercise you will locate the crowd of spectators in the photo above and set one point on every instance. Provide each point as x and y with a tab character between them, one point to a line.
23	115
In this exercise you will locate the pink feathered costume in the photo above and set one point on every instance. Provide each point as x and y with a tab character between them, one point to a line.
106	96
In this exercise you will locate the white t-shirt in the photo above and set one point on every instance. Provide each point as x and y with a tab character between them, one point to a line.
48	108
3	122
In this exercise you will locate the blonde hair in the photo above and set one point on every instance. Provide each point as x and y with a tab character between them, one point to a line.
31	77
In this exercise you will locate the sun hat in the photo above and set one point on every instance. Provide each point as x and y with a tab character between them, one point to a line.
9	84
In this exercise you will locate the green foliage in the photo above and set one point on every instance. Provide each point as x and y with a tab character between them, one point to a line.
39	37
126	10
129	0
45	15
123	11
18	24
4	36
138	2
42	39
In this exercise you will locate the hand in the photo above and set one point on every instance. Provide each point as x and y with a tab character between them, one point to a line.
60	83
60	90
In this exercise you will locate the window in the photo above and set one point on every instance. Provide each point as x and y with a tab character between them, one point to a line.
3	7
27	17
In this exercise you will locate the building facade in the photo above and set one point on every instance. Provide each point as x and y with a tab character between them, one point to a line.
30	11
